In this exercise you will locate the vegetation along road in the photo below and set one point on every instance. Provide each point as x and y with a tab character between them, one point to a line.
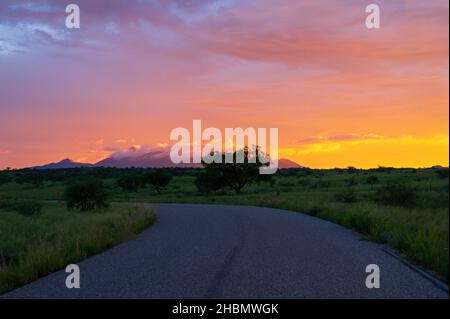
215	251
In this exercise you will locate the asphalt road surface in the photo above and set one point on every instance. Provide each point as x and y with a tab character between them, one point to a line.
203	251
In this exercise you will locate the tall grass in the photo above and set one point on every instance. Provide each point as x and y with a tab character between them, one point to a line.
31	247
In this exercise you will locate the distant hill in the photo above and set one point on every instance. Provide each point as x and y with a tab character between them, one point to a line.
153	159
439	167
285	163
157	159
66	163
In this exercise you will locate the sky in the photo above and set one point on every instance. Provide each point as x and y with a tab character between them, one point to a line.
339	93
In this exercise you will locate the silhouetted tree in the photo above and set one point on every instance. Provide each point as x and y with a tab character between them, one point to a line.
129	182
158	179
85	195
235	175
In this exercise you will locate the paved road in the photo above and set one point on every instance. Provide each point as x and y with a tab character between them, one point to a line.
201	251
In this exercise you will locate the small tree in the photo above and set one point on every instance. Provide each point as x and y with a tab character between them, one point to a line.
235	175
86	195
129	182
158	179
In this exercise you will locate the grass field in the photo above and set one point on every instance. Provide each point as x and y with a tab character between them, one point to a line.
346	197
33	246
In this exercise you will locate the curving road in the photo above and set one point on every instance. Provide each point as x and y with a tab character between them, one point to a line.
202	251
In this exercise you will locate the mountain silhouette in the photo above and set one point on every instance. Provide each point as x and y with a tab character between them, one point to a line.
65	163
152	159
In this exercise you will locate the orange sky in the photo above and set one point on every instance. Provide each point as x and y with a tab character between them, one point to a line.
339	93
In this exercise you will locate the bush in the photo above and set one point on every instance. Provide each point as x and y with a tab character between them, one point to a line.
397	194
85	195
441	173
30	177
372	179
159	179
129	182
25	208
209	181
346	196
28	209
4	179
351	181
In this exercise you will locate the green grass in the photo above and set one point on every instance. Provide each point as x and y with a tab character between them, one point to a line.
420	233
33	246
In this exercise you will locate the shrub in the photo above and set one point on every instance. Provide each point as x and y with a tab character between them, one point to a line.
86	195
441	173
351	182
30	177
397	194
28	209
25	208
209	181
129	182
4	179
348	195
159	179
372	179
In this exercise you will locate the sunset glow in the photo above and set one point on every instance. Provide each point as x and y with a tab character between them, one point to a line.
339	93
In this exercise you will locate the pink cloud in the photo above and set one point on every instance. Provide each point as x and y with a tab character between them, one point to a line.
140	150
347	137
354	137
